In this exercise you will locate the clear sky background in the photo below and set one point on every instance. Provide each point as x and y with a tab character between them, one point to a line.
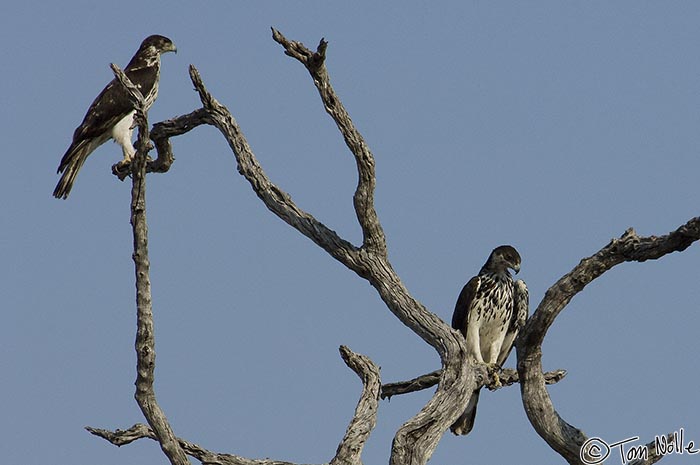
553	126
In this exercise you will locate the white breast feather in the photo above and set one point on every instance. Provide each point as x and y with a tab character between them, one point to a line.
122	134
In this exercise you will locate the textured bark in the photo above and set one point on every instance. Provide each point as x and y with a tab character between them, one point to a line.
363	199
145	336
560	435
349	450
140	431
365	417
506	377
416	440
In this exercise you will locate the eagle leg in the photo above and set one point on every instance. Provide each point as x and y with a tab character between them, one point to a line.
495	380
122	169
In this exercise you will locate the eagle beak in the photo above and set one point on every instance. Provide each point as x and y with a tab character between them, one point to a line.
516	268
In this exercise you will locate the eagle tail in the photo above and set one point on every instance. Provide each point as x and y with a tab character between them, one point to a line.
70	165
465	422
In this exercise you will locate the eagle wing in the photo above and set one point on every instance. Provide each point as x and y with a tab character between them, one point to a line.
108	108
464	302
109	115
113	103
465	423
517	320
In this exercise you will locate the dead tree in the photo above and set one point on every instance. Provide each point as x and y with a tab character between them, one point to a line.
416	440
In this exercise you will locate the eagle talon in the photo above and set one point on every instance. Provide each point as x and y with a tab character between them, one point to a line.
122	169
495	381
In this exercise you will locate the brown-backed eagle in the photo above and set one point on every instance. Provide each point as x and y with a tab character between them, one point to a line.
111	114
490	311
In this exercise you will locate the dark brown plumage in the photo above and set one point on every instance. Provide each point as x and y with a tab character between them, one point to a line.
111	114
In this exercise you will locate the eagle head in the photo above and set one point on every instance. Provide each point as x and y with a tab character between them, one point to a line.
504	257
160	44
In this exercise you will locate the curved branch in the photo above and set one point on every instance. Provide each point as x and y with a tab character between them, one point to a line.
349	450
365	417
416	440
362	261
274	198
561	436
314	62
163	131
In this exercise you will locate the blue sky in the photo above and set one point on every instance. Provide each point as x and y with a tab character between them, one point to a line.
552	126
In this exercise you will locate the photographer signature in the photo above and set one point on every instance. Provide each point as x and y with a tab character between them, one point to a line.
595	450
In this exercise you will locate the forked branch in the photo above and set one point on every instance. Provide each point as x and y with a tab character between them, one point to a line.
561	436
418	437
416	440
349	450
315	63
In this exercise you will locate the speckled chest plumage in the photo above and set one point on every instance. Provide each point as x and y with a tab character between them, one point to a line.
492	308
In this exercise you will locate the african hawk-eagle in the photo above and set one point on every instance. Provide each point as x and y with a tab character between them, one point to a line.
490	311
111	114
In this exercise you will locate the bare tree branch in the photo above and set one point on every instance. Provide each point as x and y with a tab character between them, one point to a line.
507	377
274	198
140	431
412	385
163	131
314	62
160	134
349	450
561	436
365	418
145	340
418	437
121	437
654	454
416	440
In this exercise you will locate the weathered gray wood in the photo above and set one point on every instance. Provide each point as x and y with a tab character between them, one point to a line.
506	377
349	450
416	440
145	334
365	417
418	437
560	435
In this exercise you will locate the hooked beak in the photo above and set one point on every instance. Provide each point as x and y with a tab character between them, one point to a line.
516	268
